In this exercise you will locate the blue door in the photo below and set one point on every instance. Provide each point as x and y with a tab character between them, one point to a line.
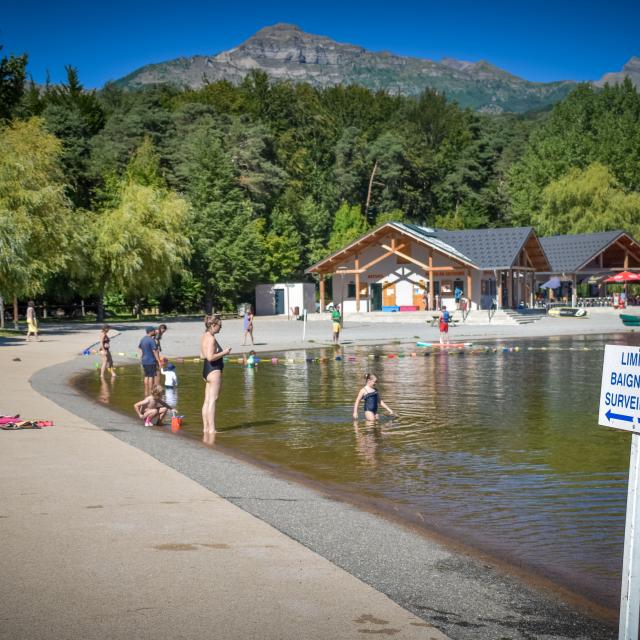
279	300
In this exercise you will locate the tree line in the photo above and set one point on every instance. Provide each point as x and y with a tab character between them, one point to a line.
191	197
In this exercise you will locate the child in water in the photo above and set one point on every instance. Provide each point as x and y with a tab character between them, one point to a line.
169	372
251	360
153	407
371	398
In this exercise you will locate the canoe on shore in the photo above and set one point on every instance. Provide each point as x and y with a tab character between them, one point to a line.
629	320
567	312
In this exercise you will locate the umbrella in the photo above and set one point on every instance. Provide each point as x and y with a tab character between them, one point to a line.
623	276
552	283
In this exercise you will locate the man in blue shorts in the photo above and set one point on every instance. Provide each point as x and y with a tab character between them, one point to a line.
149	359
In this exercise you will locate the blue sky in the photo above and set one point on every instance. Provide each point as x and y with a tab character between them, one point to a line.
539	41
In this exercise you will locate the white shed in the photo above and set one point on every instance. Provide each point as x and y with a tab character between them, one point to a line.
285	298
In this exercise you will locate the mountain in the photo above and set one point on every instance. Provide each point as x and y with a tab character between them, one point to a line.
285	52
630	70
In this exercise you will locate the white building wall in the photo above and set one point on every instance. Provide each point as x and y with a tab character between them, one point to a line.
296	294
405	276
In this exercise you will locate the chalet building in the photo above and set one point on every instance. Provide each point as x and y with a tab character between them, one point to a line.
405	267
391	267
588	258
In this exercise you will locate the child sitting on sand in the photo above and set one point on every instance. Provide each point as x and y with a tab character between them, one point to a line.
153	407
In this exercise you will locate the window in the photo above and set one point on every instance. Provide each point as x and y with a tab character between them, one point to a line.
351	290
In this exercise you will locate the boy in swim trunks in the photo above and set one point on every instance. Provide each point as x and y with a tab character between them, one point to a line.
371	398
336	319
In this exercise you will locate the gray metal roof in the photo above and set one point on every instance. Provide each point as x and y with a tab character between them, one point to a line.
568	253
486	248
432	237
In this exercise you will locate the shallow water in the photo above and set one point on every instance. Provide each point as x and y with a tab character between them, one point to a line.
499	450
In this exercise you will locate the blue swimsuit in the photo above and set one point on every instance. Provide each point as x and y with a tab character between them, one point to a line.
371	401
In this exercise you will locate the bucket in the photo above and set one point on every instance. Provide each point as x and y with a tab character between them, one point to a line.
176	423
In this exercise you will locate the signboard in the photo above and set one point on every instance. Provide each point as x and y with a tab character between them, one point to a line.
620	388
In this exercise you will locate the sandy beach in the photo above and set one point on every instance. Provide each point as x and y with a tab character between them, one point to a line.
116	531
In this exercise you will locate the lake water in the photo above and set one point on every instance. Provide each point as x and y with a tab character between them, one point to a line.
497	449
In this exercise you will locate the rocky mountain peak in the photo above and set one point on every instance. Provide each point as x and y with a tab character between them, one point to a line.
630	70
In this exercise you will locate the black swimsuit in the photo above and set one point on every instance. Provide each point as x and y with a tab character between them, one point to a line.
371	401
213	365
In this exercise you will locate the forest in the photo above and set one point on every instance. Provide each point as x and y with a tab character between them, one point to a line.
186	199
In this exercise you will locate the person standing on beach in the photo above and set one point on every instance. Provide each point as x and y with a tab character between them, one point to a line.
105	352
32	321
160	331
336	320
149	359
445	318
212	354
247	325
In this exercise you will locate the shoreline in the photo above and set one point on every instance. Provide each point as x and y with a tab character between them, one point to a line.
562	609
405	517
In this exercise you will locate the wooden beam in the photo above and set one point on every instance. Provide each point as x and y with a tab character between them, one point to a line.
431	285
357	265
627	250
379	259
626	259
467	273
321	294
499	290
509	289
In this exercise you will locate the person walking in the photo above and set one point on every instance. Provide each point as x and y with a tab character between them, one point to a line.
32	321
149	359
105	352
247	325
336	320
160	331
445	318
212	354
371	396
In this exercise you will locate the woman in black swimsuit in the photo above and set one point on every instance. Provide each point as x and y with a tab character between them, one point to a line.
105	351
212	354
371	398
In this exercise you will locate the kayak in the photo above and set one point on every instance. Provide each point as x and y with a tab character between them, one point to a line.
437	345
630	320
567	312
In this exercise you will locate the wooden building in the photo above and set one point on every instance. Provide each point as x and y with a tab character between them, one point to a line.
403	267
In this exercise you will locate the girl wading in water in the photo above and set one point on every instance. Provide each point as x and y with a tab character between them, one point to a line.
105	352
212	354
369	393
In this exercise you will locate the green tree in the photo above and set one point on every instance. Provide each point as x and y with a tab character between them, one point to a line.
348	224
282	248
227	239
585	201
12	80
36	229
137	246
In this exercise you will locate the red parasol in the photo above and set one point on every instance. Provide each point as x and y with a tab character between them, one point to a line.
623	276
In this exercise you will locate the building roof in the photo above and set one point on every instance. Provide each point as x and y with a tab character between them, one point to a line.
568	253
486	248
496	248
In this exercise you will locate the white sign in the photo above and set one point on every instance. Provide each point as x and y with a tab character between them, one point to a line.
620	388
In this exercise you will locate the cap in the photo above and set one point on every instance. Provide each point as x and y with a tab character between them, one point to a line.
150	329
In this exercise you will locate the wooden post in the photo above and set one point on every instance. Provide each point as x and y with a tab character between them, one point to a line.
357	267
431	286
574	290
499	290
15	312
469	288
510	289
626	284
321	294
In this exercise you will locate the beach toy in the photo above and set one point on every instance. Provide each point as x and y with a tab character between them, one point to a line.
274	360
423	344
121	354
176	423
338	358
413	354
391	355
371	356
239	360
96	365
198	359
351	358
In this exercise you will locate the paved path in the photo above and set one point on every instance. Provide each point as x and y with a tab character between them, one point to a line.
100	540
